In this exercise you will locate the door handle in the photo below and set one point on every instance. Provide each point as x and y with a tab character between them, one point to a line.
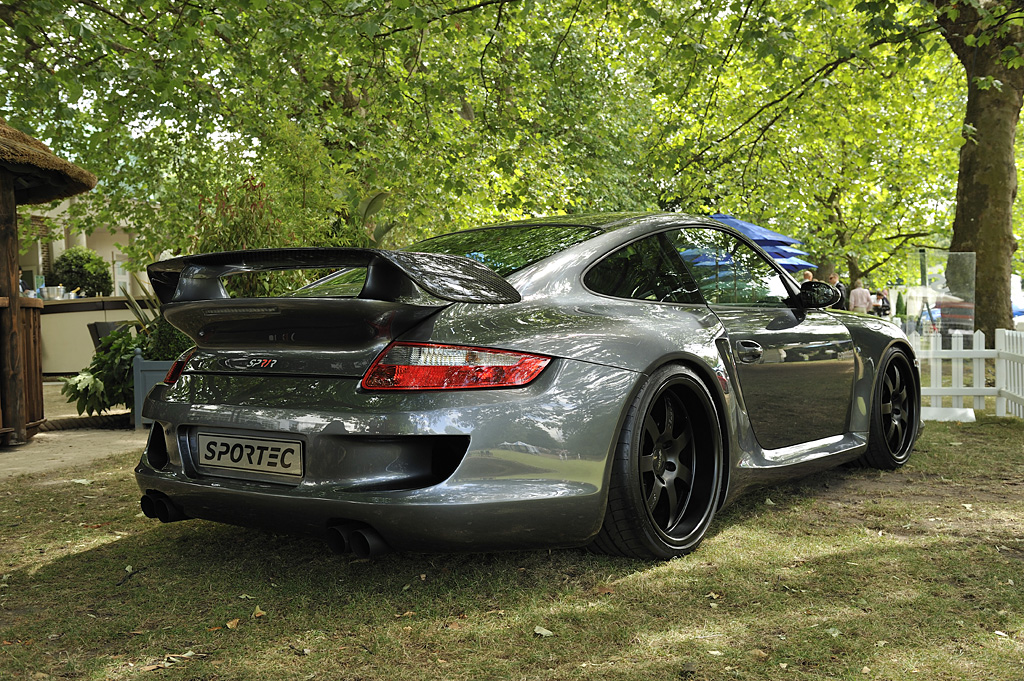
748	352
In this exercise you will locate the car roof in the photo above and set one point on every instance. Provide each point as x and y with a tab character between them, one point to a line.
604	221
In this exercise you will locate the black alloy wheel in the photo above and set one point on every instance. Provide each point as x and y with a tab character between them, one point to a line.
896	413
667	473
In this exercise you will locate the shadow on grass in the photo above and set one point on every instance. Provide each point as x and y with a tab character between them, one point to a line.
816	577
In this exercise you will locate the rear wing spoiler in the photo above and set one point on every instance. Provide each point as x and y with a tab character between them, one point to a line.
389	274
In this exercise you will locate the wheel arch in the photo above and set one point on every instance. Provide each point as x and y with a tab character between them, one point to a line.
883	451
906	348
714	384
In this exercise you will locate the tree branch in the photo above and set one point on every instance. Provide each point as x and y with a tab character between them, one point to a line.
452	13
558	45
795	94
114	15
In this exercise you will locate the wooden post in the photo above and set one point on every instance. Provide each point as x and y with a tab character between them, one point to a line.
12	379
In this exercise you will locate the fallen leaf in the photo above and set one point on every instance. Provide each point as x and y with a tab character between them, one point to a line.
247	597
214	628
1003	634
715	652
82	481
713	596
541	631
407	613
833	632
866	670
174	658
768	502
969	507
257	613
233	624
757	652
783	665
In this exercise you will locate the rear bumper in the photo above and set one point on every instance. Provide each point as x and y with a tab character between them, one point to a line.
461	470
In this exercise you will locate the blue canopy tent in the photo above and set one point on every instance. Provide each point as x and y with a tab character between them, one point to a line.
776	245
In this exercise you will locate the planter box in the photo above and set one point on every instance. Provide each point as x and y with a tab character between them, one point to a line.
147	373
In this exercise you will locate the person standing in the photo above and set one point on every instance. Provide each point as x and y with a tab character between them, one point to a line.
842	303
860	298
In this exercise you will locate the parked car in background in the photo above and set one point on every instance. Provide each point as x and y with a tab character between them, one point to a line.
603	380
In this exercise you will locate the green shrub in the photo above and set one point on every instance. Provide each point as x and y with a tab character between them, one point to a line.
108	380
163	341
83	269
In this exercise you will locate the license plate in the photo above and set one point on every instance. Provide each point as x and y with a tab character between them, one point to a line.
251	454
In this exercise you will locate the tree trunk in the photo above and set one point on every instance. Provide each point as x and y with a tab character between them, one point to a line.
987	183
12	379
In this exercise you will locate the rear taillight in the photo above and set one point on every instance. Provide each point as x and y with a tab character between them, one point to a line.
179	365
421	366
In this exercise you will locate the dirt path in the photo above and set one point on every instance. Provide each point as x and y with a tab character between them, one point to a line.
66	449
69	447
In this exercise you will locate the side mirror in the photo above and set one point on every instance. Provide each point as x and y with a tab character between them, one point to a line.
817	295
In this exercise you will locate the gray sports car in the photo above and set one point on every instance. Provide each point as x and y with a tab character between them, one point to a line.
609	381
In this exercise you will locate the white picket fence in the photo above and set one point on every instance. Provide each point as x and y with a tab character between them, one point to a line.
944	373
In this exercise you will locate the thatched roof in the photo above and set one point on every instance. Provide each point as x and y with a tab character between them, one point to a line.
39	176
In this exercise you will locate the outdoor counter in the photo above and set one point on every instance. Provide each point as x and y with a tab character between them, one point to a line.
66	344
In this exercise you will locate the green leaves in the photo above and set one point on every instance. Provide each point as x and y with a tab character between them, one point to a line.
107	381
81	269
373	121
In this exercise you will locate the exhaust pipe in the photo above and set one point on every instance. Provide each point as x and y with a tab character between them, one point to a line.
161	507
361	540
339	537
366	543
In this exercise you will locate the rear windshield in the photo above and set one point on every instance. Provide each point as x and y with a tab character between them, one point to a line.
503	249
507	249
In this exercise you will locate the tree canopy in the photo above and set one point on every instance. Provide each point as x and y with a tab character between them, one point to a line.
255	123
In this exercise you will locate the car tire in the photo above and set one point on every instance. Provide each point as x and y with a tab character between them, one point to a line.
667	474
895	413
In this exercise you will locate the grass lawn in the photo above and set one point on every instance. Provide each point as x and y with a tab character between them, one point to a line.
852	574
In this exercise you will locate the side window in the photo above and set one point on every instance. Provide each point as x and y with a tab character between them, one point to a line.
649	269
727	271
